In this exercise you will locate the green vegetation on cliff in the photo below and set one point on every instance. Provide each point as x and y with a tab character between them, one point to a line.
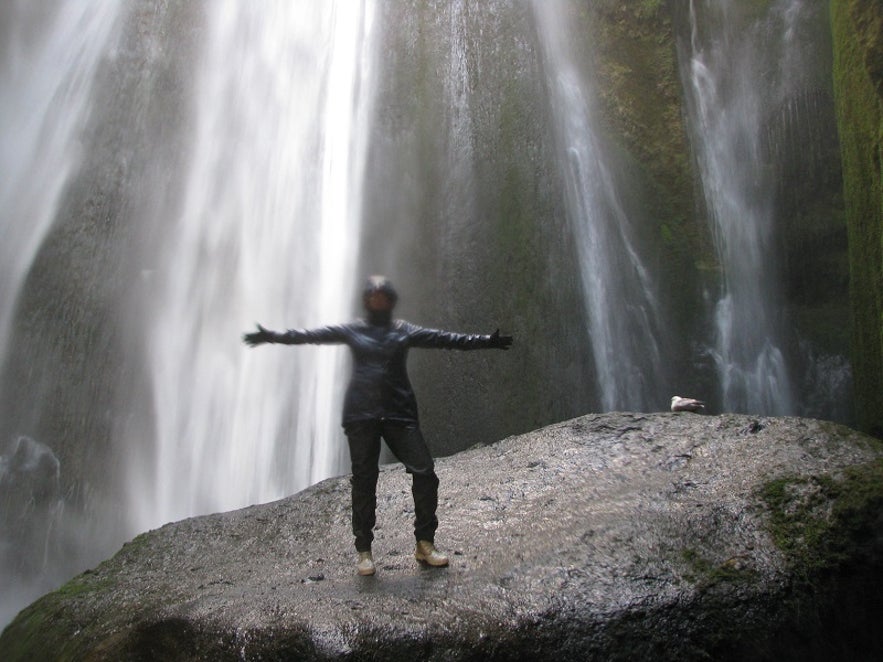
640	94
858	80
820	521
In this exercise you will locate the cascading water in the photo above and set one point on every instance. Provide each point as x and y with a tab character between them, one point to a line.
733	77
268	232
48	68
621	301
51	52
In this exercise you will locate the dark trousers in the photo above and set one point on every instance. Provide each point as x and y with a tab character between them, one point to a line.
407	444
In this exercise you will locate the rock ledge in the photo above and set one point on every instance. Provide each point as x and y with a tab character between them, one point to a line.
617	537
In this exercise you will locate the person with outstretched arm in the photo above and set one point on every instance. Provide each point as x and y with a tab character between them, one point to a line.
380	403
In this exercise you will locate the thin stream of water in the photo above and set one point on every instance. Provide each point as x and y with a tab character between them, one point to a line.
734	77
618	288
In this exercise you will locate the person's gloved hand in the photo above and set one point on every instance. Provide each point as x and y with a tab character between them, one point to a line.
259	337
500	342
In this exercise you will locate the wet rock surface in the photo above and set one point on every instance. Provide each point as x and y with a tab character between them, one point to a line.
614	536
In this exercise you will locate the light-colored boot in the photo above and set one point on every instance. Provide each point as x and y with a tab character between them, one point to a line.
428	554
365	566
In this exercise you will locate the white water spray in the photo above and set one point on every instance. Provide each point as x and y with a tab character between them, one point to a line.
268	233
50	54
619	293
47	69
735	75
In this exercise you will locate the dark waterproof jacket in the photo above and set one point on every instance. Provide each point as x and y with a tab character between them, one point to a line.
379	387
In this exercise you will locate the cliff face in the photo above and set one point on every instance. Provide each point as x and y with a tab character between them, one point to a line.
618	536
858	73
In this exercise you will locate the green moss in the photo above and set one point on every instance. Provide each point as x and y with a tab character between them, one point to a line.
857	29
819	522
49	627
648	8
704	573
44	629
641	112
641	93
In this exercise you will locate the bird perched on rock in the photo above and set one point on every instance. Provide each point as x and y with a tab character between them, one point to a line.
686	404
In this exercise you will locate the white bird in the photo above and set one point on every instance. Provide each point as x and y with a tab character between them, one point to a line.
686	404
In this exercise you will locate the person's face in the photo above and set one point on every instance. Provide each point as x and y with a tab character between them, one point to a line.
378	302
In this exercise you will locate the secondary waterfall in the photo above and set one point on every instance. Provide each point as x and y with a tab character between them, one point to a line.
268	233
738	68
624	326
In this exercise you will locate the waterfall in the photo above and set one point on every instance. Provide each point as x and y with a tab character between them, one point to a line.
270	154
619	291
51	51
50	55
268	232
736	69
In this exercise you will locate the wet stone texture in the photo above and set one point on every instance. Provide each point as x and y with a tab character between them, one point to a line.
612	537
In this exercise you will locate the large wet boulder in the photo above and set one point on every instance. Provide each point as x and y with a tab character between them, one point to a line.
615	536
